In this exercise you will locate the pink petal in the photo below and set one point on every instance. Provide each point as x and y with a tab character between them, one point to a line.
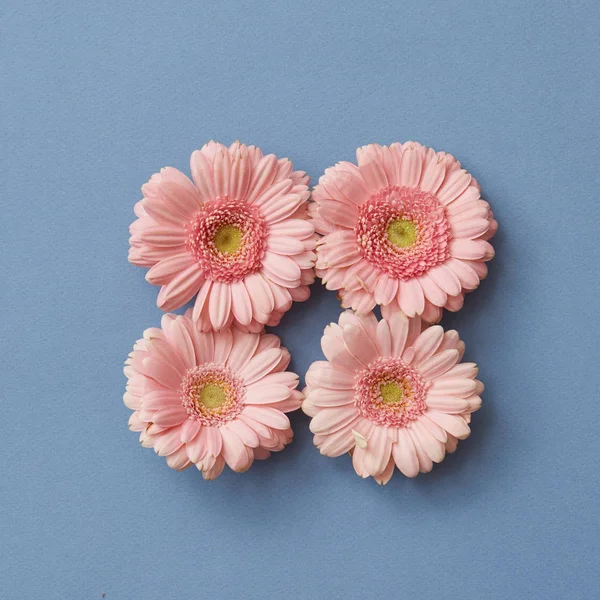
377	452
410	297
260	365
268	416
341	214
240	174
391	164
170	416
201	169
411	165
165	236
189	430
286	378
457	386
386	474
240	302
268	394
453	424
243	431
262	176
161	349
261	430
427	343
432	290
181	288
371	169
159	399
212	440
469	370
282	266
338	355
244	345
182	342
435	449
454	185
179	192
204	347
281	208
284	245
466	275
325	398
219	306
201	299
221	165
234	450
167	442
178	460
467	249
434	171
435	430
399	331
274	193
425	463
446	280
337	443
359	344
469	228
215	470
322	374
295	227
332	419
261	296
223	340
384	338
386	289
447	404
162	372
438	364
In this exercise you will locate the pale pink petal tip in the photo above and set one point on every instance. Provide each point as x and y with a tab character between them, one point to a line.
210	399
237	236
406	229
392	393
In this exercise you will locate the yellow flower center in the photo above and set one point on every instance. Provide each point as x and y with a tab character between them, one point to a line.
391	393
402	233
212	396
228	239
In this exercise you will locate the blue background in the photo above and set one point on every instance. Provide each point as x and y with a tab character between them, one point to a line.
97	97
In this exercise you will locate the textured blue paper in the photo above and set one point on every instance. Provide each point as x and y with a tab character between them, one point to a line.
98	96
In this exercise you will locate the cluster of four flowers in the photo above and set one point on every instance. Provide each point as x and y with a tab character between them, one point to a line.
404	228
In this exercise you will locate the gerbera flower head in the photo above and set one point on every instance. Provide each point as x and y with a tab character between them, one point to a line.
390	394
405	228
210	398
237	235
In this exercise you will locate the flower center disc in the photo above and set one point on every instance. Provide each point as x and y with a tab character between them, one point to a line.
402	233
212	396
228	239
391	393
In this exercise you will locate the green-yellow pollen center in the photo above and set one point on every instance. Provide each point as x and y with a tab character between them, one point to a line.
228	239
391	393
402	233
212	395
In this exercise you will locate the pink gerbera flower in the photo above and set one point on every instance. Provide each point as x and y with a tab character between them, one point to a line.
210	398
238	236
390	394
406	228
